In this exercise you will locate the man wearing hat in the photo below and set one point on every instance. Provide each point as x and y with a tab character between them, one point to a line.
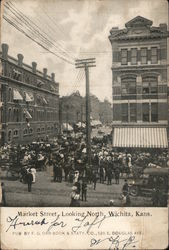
29	180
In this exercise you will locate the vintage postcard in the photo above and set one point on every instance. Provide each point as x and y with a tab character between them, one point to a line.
84	124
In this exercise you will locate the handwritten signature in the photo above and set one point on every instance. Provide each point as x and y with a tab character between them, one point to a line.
14	222
87	224
115	243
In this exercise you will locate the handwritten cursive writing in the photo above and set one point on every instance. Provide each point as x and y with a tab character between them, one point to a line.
14	222
116	243
83	222
56	223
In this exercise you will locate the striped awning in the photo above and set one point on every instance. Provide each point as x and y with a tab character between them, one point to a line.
27	114
17	96
140	137
28	98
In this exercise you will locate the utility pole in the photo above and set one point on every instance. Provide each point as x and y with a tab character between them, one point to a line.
86	64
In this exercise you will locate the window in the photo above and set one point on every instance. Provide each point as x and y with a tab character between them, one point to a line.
25	132
150	85
9	136
154	58
124	112
9	95
128	86
38	130
146	112
124	56
154	112
15	133
9	114
133	113
133	56
31	131
16	115
42	129
143	55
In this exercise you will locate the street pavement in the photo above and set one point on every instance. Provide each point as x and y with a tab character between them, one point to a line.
46	193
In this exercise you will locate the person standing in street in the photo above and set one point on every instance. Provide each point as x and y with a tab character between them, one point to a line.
75	197
3	199
84	190
125	188
29	180
94	180
117	175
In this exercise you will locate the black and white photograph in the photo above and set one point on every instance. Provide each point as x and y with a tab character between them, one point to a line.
84	103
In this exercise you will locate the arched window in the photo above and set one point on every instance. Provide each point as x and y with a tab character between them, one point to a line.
9	114
150	85
31	131
17	115
9	94
128	85
15	133
9	136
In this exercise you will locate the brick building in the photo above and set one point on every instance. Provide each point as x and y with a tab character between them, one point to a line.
139	82
30	101
72	108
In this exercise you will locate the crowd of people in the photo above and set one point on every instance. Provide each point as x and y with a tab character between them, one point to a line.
67	156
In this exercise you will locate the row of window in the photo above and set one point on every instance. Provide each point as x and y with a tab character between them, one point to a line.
17	74
149	85
149	112
27	131
14	115
134	56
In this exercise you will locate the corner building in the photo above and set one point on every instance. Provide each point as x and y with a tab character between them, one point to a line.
30	101
139	82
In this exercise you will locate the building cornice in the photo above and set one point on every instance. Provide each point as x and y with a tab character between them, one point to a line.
136	38
139	67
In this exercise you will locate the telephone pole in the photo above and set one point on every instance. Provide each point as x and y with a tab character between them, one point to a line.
86	64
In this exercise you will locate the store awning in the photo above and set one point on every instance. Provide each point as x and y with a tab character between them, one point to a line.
27	114
140	137
44	100
67	126
28	98
17	96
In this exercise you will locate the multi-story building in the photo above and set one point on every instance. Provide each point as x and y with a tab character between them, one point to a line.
30	101
139	81
72	109
106	112
94	108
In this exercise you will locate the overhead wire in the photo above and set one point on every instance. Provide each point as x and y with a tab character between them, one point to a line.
34	27
40	44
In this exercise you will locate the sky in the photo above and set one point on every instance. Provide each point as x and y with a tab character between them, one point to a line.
74	29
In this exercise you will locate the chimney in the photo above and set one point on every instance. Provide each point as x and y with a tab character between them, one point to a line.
34	65
20	60
53	77
45	72
5	51
163	26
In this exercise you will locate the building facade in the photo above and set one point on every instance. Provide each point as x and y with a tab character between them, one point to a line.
30	101
106	113
73	109
139	82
